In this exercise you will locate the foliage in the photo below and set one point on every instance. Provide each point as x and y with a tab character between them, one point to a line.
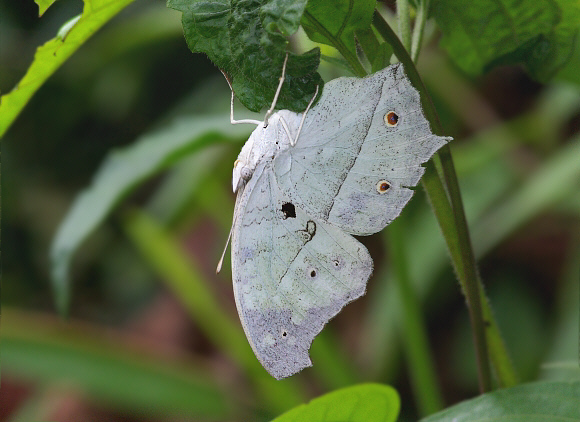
481	35
247	40
50	56
362	403
534	401
539	34
121	173
151	201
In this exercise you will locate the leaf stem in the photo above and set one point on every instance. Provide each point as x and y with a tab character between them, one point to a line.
454	230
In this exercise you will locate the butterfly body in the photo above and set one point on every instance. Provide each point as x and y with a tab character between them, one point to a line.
300	196
263	145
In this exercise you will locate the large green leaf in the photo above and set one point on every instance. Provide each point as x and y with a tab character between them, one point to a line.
359	403
38	348
540	34
121	172
247	40
55	52
539	401
335	22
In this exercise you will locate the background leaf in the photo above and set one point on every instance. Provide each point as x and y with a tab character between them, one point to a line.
359	403
38	348
335	22
122	171
484	34
43	5
54	53
247	40
539	401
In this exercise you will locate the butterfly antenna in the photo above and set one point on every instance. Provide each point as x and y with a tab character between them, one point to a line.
271	110
304	116
221	261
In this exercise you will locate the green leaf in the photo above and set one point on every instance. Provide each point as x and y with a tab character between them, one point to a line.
363	402
559	48
539	401
40	349
540	34
247	40
121	172
50	56
43	5
335	22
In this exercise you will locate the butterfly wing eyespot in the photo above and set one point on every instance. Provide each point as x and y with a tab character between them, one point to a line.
391	119
383	186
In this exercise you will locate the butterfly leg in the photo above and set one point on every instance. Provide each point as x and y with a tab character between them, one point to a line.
271	110
292	143
285	126
232	120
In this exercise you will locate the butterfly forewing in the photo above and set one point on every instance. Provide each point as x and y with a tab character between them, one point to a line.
375	130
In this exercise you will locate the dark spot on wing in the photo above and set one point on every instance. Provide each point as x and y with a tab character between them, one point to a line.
308	233
288	210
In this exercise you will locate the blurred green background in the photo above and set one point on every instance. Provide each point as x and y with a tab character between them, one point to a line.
148	339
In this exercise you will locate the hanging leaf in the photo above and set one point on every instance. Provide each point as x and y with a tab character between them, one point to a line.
247	40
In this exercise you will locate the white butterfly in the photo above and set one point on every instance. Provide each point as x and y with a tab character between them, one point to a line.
305	184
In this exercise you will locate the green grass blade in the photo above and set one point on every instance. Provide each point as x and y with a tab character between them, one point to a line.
558	178
122	171
413	330
40	349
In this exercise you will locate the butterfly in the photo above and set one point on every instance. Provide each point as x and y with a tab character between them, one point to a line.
305	184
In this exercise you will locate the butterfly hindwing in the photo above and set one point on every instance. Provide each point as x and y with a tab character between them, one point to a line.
292	273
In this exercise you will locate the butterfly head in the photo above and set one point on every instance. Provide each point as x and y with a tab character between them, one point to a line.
242	174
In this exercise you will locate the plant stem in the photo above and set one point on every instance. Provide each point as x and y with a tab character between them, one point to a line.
455	231
419	28
404	23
